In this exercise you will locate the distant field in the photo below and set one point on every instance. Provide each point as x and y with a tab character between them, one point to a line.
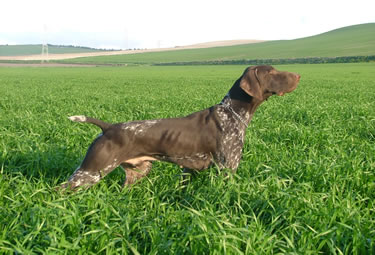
20	50
356	40
305	185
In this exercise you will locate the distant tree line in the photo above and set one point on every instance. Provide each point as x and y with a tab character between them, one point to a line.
90	48
79	47
281	61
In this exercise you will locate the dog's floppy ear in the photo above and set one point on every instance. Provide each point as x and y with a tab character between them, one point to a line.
250	83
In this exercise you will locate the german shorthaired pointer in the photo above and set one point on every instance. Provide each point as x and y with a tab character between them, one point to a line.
195	142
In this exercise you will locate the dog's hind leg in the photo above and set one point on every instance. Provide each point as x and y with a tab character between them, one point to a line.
98	162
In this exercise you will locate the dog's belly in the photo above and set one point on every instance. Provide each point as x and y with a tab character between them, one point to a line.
198	161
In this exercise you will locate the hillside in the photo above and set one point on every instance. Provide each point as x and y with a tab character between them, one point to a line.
33	52
34	49
357	40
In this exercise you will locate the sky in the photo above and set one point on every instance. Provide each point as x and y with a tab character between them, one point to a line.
115	24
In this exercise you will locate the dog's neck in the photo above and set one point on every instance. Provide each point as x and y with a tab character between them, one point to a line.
242	105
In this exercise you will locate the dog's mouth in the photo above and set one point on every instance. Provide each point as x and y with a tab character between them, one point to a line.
279	93
282	93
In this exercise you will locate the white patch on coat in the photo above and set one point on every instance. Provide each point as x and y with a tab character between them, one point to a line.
78	118
139	127
108	168
82	177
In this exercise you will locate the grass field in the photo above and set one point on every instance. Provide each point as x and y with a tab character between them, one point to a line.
358	40
305	185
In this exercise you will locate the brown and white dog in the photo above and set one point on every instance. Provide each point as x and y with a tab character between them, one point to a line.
195	142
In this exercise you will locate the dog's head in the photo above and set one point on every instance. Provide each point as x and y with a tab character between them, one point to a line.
262	82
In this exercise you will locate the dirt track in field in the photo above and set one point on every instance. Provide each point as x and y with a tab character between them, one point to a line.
107	53
43	65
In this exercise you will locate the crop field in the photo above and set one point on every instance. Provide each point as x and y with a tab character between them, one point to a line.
305	185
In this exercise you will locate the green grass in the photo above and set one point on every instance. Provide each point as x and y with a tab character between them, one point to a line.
358	40
32	49
305	185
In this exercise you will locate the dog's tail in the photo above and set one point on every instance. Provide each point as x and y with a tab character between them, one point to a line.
81	118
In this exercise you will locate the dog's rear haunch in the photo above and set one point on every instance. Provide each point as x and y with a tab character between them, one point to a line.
195	142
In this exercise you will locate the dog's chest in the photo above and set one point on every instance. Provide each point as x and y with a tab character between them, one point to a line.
232	139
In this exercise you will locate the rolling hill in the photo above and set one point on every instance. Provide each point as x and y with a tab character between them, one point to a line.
357	40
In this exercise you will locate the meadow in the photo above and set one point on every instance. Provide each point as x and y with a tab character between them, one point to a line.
305	185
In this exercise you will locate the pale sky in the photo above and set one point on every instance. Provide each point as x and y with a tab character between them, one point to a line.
167	23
